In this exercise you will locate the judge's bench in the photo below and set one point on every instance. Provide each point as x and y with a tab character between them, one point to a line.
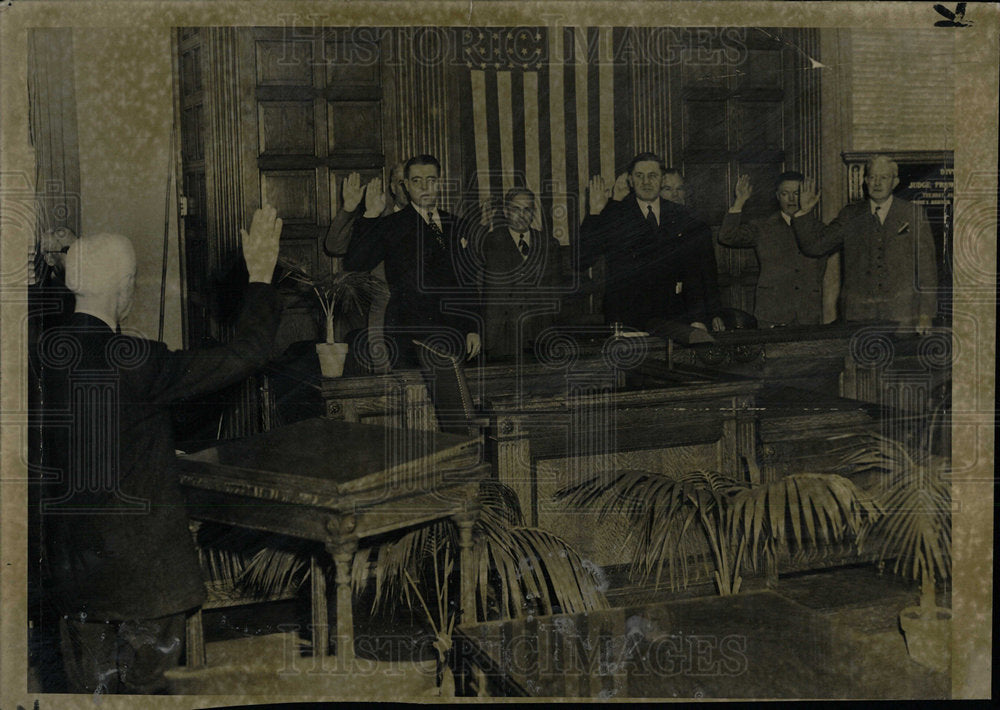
758	404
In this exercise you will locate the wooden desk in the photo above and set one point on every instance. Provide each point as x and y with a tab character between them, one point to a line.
400	398
869	362
589	421
807	357
337	483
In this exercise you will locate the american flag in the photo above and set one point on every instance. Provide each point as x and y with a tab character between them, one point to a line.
538	109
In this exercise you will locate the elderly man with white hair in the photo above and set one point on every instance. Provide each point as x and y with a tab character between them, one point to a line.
119	554
890	267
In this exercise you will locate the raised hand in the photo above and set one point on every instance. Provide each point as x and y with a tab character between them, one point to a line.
743	191
808	196
260	245
598	194
620	189
374	198
351	188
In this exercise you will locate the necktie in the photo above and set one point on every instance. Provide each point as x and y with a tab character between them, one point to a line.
877	216
435	229
523	246
650	217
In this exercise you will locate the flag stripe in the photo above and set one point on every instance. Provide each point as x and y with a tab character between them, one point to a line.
551	125
506	127
532	146
557	139
478	83
593	106
572	182
493	134
517	121
624	148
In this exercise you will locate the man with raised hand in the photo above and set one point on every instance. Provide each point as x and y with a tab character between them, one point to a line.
118	550
790	284
431	279
660	264
890	266
338	236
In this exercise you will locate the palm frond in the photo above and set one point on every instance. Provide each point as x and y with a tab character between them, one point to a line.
272	571
802	510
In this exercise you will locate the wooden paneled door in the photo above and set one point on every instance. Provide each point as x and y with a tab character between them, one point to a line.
754	112
276	116
317	115
271	115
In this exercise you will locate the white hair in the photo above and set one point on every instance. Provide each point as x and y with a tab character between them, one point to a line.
870	164
96	265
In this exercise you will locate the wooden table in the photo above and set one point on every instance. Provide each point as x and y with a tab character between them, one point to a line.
337	483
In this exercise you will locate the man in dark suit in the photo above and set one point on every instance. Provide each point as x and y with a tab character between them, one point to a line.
119	553
790	284
520	278
338	236
659	258
890	267
431	278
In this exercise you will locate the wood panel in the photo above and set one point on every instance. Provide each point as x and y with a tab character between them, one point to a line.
354	127
292	193
285	128
283	62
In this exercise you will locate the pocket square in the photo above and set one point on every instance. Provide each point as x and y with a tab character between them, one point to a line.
904	228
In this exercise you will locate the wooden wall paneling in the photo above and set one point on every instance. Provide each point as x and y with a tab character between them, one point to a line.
320	146
466	194
230	146
293	194
354	127
194	268
390	103
419	93
650	94
286	127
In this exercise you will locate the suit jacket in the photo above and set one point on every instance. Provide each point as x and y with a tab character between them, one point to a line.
790	284
667	272
890	270
422	271
116	532
512	286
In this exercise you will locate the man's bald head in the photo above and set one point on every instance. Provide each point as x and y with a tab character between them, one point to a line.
100	271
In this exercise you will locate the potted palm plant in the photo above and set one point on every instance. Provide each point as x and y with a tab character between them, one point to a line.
519	571
336	293
674	518
914	533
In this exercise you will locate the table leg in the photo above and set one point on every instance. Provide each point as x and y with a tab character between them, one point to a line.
195	641
467	578
320	619
343	558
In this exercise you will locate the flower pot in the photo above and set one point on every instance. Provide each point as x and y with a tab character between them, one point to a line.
331	358
927	631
